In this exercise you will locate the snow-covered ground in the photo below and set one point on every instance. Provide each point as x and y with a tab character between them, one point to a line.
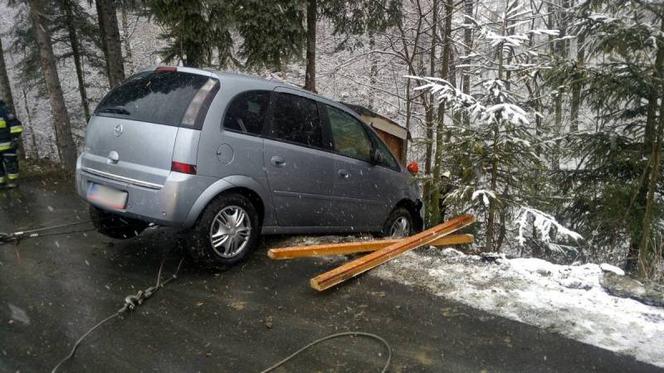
565	299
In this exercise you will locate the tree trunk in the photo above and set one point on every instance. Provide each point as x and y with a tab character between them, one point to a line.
493	208
5	86
310	74
63	136
373	70
431	213
651	141
76	53
534	95
467	49
102	38
110	36
491	219
6	91
27	124
440	127
645	247
653	138
577	84
457	118
558	48
129	60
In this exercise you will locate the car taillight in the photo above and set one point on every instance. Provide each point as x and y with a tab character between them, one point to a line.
413	168
166	69
184	168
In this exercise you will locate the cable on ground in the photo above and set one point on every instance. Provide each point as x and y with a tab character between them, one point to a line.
131	302
34	233
337	335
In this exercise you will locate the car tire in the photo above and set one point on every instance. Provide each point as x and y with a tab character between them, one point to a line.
227	231
399	223
115	226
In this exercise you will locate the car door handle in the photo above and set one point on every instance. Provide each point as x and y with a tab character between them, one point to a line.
344	173
278	161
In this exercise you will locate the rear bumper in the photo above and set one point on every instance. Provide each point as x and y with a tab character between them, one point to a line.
168	204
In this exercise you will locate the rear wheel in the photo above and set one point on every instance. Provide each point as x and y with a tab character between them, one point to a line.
226	232
399	223
115	226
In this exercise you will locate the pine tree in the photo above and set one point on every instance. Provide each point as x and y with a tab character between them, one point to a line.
618	156
74	35
493	159
349	18
199	33
271	31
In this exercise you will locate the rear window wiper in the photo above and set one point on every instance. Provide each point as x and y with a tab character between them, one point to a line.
115	110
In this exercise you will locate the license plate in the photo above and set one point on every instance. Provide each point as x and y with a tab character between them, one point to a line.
108	197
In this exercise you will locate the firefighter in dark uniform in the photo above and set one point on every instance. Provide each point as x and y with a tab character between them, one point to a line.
10	134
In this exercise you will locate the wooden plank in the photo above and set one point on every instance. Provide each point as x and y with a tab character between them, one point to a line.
455	239
356	247
358	266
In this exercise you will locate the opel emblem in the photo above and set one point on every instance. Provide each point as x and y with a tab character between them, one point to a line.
118	130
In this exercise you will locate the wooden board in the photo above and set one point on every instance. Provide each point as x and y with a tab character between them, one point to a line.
356	247
378	257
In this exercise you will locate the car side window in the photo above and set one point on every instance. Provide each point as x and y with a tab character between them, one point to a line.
246	112
388	158
296	119
350	138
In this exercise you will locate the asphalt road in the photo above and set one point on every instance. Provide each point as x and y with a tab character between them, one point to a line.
243	319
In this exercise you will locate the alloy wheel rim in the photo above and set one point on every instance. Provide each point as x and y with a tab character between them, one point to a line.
400	227
230	231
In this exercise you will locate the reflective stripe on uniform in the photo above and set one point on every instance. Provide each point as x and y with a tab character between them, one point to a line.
5	146
3	124
2	179
16	129
9	155
12	176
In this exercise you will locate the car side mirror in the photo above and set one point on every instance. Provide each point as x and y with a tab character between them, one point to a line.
377	156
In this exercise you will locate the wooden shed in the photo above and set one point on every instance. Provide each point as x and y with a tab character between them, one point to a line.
395	136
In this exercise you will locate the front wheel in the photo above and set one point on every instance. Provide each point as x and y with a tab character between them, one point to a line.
226	232
399	223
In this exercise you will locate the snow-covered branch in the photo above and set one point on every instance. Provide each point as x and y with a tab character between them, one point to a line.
445	92
545	224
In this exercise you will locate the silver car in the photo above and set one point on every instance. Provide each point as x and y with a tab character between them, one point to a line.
228	157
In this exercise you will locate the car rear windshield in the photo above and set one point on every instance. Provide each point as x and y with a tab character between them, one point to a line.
160	97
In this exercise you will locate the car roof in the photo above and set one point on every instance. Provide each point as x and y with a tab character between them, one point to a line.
267	84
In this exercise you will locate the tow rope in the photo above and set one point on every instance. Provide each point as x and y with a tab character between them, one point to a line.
131	302
38	232
337	335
